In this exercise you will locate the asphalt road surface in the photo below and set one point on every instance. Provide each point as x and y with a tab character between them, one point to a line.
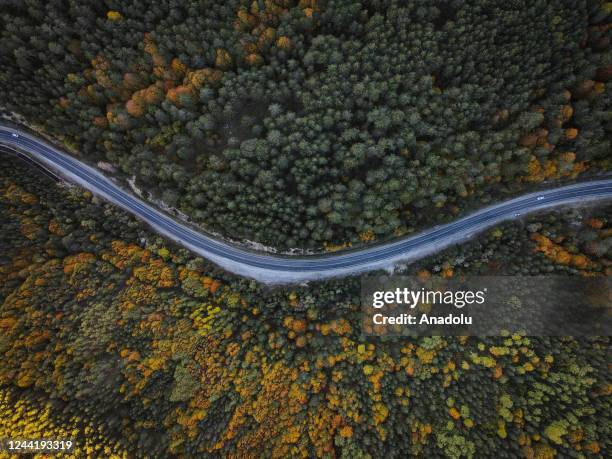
278	269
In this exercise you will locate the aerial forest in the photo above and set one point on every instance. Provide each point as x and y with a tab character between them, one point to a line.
317	124
297	126
132	347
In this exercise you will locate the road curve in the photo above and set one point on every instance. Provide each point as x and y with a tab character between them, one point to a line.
279	269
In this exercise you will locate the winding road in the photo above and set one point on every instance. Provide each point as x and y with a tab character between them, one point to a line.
281	269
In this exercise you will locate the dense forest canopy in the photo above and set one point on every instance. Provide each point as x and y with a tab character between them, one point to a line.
135	349
296	123
305	123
